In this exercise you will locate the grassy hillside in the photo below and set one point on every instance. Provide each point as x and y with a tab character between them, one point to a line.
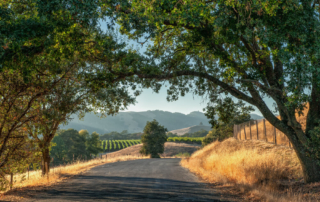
135	121
263	171
268	167
228	160
191	129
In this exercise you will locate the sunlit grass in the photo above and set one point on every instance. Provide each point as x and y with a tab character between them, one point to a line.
57	174
245	162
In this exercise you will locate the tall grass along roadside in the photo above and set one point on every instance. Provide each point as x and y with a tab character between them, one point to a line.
245	162
57	174
266	169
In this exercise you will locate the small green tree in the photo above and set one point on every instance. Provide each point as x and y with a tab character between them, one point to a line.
153	139
229	113
93	146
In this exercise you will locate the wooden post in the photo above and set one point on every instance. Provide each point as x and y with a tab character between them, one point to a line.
240	131
257	130
28	171
250	130
275	135
11	181
234	130
244	130
265	130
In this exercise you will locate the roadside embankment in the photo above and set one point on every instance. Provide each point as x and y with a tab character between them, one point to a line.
264	169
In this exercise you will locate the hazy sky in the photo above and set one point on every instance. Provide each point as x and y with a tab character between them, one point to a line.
150	100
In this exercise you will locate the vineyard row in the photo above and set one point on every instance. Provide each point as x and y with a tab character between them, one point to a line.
186	139
114	145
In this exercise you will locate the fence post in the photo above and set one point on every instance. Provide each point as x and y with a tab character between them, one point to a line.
11	181
234	130
265	130
240	131
250	130
257	130
244	130
237	131
28	171
275	135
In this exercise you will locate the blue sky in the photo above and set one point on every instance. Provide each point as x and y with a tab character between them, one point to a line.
150	100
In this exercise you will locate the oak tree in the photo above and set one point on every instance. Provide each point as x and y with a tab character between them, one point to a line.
250	50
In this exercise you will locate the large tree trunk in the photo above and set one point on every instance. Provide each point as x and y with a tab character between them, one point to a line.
311	170
46	160
310	166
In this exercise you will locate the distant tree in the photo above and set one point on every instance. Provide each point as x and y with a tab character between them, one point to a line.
170	134
59	149
201	124
84	133
229	113
153	139
70	145
124	135
93	146
200	133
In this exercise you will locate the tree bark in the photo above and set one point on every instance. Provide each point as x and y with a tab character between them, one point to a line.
310	166
46	159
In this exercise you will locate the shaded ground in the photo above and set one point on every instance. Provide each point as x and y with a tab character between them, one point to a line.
170	149
138	180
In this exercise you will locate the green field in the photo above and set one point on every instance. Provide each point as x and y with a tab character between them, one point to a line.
114	145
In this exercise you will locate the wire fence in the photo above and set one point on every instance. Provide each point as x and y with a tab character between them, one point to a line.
260	130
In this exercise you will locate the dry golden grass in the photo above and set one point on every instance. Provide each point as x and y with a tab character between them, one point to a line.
58	174
261	170
245	162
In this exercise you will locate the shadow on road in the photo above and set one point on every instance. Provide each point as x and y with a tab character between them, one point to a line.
126	189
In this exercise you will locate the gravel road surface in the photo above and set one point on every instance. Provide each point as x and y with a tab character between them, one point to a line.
137	180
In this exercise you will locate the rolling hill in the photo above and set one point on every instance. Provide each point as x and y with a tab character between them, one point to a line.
191	129
135	121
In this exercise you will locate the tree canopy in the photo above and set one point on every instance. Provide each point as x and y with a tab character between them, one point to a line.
248	49
72	145
153	139
45	48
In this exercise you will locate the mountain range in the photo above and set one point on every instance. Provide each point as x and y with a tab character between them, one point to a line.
136	121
